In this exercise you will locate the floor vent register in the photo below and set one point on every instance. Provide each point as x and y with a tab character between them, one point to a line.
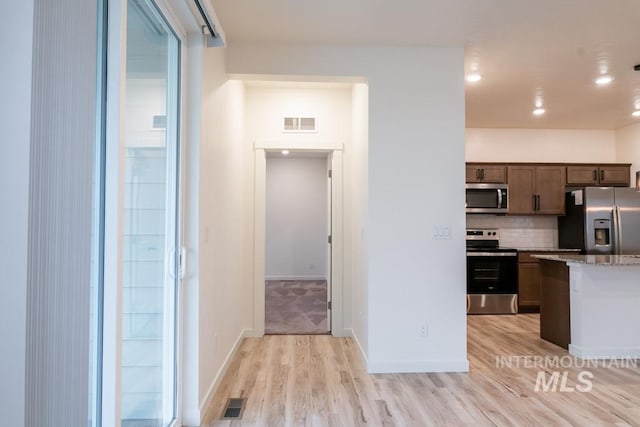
234	408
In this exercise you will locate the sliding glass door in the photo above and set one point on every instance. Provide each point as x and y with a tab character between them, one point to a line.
149	219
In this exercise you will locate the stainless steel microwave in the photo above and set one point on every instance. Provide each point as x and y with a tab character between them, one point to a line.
487	198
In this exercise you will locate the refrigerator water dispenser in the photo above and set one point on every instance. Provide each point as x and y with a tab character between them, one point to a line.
602	232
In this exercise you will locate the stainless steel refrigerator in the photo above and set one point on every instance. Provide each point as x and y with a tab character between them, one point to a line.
601	220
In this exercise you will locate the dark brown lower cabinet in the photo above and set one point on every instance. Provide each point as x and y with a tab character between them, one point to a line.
528	283
529	280
555	314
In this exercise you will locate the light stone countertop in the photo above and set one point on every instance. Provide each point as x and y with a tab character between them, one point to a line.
605	260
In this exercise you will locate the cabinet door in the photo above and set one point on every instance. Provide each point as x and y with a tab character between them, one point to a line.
528	286
614	175
479	172
582	175
521	189
496	174
550	189
473	173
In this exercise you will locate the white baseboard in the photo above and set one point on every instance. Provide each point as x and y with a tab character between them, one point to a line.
344	333
253	333
418	366
354	337
295	278
221	372
604	352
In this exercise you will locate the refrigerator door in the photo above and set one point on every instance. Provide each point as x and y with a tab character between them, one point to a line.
627	201
599	220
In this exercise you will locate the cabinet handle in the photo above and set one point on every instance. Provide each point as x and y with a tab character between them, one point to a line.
535	202
482	174
601	175
595	175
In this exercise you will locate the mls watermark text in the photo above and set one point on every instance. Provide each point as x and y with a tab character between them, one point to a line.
558	373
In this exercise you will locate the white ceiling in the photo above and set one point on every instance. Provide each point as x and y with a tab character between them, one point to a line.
554	48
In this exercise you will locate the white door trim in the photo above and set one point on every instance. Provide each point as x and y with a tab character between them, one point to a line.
334	148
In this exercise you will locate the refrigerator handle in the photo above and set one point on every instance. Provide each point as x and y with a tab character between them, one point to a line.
618	229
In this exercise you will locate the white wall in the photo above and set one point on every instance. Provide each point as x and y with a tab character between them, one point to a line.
355	243
225	263
267	104
296	219
540	145
628	148
416	138
16	39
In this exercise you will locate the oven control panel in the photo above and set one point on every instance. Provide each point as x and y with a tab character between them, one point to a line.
483	234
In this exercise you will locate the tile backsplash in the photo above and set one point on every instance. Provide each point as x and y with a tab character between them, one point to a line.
520	231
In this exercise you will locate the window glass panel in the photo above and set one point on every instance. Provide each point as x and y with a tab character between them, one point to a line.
149	219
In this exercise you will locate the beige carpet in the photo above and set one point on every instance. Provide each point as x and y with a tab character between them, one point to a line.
296	307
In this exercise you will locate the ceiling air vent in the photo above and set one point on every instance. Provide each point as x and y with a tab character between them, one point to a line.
299	124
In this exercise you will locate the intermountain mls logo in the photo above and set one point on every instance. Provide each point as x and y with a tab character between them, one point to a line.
551	383
557	374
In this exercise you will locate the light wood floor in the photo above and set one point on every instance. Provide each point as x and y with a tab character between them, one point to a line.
322	381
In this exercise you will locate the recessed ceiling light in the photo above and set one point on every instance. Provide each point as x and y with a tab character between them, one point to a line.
636	113
285	152
473	77
538	111
604	80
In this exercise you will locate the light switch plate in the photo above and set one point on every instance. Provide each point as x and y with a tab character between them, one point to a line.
441	232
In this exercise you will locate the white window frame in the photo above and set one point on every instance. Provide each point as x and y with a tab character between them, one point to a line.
115	131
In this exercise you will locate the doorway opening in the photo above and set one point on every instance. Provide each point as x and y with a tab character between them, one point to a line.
297	276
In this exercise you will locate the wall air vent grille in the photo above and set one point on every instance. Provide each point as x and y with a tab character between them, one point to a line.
299	124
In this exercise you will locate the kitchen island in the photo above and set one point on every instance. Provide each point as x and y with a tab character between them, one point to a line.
590	304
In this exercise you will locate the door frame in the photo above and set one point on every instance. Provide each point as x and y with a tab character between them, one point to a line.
334	149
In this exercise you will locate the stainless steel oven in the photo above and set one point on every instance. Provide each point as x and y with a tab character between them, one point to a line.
487	198
492	274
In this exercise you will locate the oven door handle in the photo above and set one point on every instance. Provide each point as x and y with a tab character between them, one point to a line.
501	254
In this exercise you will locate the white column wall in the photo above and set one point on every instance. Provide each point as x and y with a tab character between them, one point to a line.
225	265
416	182
355	243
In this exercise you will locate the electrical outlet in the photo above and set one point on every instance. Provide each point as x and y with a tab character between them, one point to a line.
424	330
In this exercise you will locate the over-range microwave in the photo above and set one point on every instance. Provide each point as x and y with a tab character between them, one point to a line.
487	198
